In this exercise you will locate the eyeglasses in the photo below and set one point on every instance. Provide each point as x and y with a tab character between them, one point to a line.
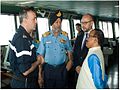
86	22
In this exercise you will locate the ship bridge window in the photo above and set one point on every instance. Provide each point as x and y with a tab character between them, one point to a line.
7	28
106	27
116	30
66	27
42	26
18	22
93	26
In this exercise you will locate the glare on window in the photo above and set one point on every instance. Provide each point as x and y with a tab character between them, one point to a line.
100	25
42	26
7	27
106	27
66	27
117	30
18	22
110	31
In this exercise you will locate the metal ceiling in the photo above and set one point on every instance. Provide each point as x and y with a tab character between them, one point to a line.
108	9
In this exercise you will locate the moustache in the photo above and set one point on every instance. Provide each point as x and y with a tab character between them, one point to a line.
56	30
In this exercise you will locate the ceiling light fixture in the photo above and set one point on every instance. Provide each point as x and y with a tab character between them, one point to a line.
26	2
117	6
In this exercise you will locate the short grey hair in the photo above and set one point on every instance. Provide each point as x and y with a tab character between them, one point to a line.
23	13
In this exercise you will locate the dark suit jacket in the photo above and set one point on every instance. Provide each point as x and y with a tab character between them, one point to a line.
78	54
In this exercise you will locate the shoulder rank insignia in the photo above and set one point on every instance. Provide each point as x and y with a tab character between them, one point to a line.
62	40
46	34
64	33
37	41
58	14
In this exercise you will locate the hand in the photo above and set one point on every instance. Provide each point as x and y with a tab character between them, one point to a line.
40	81
78	69
70	62
26	73
32	68
40	59
69	65
40	76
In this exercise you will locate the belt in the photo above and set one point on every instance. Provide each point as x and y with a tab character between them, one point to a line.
22	78
55	65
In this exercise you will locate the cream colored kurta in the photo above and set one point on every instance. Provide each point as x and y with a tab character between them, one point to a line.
85	80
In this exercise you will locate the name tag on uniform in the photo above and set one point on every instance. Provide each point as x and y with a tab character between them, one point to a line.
48	42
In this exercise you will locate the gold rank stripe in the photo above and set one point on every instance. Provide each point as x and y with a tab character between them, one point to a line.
64	33
46	34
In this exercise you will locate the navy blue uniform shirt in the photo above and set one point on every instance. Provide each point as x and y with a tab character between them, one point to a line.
22	53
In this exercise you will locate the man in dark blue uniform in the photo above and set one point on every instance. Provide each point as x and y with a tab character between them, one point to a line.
22	53
53	48
80	50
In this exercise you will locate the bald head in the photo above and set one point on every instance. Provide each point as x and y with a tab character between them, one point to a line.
88	16
87	22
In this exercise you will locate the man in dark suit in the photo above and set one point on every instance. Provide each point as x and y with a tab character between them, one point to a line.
80	50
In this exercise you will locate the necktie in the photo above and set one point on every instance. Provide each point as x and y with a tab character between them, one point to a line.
84	40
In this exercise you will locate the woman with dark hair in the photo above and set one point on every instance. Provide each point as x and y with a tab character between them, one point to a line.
92	74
